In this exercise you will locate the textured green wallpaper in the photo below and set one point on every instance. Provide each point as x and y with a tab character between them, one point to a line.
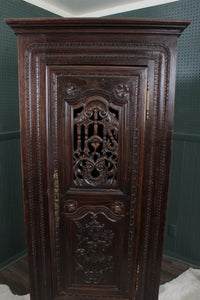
12	240
187	107
182	239
9	118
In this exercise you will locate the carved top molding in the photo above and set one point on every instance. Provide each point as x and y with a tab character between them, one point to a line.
98	25
136	46
39	49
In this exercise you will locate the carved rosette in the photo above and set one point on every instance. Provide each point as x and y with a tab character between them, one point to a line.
70	90
71	206
117	207
122	91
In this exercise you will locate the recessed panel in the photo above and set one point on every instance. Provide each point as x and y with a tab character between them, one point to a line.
93	106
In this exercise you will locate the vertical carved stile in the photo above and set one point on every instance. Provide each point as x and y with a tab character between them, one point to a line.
137	277
137	280
56	197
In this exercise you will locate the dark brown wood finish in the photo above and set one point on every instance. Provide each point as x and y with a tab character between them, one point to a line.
96	117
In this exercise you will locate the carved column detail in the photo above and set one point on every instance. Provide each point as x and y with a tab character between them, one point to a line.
56	196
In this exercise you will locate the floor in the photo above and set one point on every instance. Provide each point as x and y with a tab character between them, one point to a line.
16	276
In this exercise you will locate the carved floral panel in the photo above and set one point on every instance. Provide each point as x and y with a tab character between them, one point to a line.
92	240
93	259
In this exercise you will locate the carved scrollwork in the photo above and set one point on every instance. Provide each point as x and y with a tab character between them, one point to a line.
96	125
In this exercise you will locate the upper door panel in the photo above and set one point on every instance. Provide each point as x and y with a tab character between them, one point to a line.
94	117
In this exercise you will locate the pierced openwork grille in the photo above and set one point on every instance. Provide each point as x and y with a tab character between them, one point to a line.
95	153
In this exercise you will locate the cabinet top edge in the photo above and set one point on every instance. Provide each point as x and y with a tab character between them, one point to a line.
49	25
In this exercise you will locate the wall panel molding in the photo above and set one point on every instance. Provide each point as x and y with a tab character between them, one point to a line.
189	137
12	260
9	135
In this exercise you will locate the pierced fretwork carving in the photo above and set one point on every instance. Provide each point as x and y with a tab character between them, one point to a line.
96	126
92	258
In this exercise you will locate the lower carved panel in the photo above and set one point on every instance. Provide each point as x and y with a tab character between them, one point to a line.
93	259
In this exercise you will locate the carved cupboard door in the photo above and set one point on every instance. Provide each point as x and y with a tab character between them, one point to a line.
96	128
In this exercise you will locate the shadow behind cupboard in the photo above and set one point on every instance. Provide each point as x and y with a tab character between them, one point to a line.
96	117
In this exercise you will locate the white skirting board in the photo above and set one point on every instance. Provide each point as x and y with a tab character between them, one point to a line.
184	287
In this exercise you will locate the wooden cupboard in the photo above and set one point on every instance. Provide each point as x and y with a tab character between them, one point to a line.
96	118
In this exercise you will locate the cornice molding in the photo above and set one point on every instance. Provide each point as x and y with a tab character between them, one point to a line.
98	25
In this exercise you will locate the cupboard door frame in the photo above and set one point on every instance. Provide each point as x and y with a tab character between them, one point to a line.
87	200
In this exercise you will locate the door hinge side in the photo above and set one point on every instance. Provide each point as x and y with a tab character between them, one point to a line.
147	102
137	280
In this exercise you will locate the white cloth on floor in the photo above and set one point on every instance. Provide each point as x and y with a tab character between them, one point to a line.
6	294
184	287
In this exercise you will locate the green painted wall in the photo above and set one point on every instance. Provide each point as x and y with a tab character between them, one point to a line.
182	240
12	240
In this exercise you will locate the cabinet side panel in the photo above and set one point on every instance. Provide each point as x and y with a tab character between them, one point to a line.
158	143
34	162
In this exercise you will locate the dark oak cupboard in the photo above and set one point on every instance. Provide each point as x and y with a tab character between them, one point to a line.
96	118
